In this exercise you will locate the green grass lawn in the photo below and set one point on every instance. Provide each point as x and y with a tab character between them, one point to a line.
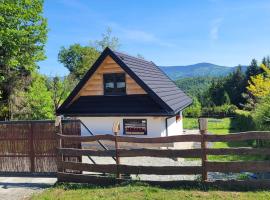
215	126
131	192
223	126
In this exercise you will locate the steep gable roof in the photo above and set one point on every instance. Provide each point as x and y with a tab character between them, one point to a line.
154	81
157	81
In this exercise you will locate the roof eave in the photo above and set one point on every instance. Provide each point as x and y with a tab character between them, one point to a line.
116	114
183	107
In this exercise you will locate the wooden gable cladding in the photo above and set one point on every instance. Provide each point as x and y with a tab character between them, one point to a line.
94	86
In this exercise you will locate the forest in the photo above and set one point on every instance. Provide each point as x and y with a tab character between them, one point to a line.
245	95
25	93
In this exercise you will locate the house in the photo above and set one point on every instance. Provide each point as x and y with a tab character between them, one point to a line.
133	91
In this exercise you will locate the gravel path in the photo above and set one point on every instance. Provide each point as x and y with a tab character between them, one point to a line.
151	161
21	188
147	161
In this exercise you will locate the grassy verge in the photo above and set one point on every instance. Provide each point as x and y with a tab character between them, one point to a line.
215	126
130	192
223	126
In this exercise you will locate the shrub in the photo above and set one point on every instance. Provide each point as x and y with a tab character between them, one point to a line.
262	114
195	110
220	111
243	121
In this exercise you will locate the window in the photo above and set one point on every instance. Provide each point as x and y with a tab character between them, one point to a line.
135	126
114	84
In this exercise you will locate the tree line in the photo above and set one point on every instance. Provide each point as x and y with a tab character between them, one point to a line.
241	92
24	92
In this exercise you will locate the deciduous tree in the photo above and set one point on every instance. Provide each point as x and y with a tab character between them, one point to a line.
60	89
259	85
23	33
78	59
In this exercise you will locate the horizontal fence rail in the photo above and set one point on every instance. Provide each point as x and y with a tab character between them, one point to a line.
107	181
244	166
200	153
169	139
253	135
239	151
130	169
183	153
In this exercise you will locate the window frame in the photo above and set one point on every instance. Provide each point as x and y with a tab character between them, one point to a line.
114	92
126	121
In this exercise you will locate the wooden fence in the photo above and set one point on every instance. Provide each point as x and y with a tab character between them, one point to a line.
30	146
201	153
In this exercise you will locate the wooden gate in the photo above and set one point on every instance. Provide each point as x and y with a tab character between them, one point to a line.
113	171
30	146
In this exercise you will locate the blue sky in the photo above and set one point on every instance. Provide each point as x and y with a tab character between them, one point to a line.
168	32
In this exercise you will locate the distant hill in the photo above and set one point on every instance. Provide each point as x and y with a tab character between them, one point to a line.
199	69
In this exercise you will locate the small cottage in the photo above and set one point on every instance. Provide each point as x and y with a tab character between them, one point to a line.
130	90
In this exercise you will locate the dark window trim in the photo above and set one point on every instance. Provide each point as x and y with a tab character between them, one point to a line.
124	130
114	93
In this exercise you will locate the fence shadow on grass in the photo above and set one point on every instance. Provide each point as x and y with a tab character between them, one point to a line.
185	185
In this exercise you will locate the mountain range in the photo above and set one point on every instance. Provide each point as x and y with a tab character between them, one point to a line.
199	69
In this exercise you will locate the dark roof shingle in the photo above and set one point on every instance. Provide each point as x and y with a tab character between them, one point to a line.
157	81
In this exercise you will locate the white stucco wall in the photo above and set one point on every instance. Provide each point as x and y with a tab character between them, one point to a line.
156	126
175	127
103	125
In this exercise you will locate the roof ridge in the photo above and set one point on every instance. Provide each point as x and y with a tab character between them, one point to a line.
141	59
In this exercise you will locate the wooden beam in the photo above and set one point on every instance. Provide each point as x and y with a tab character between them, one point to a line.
169	139
167	153
129	169
203	130
235	185
234	167
239	151
251	135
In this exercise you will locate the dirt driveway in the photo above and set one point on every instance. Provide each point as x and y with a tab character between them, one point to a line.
21	188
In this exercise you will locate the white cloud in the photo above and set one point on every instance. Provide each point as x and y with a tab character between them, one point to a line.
139	36
215	26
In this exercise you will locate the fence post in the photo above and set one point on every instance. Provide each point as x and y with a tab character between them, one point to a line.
32	153
203	131
58	127
116	129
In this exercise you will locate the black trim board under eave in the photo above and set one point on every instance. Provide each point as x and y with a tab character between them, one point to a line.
120	115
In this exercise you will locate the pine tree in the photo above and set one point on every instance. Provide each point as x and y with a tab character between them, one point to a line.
253	69
266	61
235	86
225	99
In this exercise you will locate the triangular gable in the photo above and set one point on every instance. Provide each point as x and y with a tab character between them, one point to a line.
108	57
94	86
